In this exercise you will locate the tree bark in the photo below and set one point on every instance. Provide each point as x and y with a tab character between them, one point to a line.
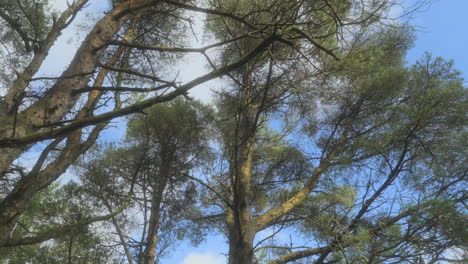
241	230
240	246
153	227
23	79
158	187
61	97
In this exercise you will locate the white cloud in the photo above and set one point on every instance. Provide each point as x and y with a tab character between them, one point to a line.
203	258
194	65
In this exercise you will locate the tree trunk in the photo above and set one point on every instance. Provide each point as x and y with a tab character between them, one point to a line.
61	97
158	189
240	225
119	232
152	237
241	246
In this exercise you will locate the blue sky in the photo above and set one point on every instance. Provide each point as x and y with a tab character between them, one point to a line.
442	29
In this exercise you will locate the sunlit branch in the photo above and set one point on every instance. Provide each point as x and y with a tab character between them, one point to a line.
138	107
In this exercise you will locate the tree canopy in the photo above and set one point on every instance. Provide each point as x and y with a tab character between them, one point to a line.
319	132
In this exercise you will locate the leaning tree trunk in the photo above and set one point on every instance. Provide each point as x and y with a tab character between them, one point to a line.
160	180
155	214
61	98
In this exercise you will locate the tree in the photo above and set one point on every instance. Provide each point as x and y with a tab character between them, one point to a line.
361	93
379	140
375	220
260	89
53	207
162	147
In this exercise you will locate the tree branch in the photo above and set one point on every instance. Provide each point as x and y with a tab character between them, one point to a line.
24	78
274	213
62	230
313	42
138	107
209	11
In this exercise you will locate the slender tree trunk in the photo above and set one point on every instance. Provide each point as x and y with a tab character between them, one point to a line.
155	213
145	224
241	230
70	250
152	237
242	233
18	87
119	233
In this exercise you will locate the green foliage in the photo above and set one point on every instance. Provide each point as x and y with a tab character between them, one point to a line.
23	25
161	149
178	121
29	17
55	206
